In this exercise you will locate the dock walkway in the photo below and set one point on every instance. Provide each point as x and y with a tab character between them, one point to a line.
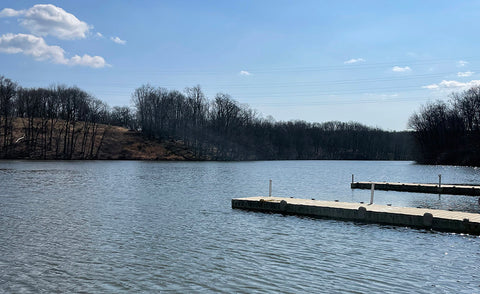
439	220
420	188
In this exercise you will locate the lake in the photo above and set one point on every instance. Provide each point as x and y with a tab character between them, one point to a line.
136	227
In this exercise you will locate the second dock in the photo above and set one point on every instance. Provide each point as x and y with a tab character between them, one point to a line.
468	190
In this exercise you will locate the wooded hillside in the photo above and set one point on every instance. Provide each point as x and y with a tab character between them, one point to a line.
449	132
63	122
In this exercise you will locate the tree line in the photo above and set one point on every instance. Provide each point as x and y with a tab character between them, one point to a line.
223	129
58	122
449	132
64	122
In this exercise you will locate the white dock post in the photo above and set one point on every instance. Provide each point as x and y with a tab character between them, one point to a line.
270	189
371	194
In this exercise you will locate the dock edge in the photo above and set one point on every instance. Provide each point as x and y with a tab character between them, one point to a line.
359	213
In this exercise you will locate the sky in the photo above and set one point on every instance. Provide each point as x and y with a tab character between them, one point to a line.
373	62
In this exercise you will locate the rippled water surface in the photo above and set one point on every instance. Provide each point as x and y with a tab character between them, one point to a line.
132	226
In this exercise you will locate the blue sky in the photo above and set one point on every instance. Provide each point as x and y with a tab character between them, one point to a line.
375	62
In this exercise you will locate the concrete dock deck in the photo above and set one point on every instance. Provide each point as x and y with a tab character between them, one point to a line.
439	220
467	190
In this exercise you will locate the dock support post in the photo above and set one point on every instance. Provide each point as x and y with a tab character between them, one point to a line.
371	194
270	188
439	181
353	177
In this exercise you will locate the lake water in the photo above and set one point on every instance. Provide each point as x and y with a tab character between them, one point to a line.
136	227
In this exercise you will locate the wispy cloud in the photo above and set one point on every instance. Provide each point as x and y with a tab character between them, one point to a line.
48	19
354	60
381	97
465	74
8	12
118	40
462	63
453	85
37	48
401	69
244	73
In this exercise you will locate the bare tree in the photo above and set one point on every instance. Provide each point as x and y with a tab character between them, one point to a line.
8	90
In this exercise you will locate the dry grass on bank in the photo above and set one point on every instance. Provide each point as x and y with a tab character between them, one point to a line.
118	143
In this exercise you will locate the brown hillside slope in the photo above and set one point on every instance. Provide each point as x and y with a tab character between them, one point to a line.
120	143
114	142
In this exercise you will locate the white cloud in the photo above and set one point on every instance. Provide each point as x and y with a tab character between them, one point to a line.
462	63
98	34
379	96
244	73
118	40
8	12
401	69
453	85
33	46
87	60
48	19
37	48
354	60
465	73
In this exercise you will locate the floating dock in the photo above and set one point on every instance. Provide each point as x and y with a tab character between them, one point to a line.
439	220
420	188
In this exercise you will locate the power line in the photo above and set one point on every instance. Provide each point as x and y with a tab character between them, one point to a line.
316	68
